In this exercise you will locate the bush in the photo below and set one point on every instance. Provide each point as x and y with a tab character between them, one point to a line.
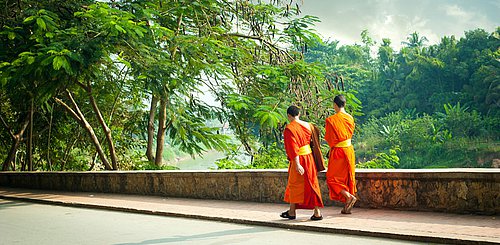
271	158
228	163
456	138
382	160
460	122
146	165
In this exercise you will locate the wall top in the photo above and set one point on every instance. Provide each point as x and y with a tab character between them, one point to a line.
364	171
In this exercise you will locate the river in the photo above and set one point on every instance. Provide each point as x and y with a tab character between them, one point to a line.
206	161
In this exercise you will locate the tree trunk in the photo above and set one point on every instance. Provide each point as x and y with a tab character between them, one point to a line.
29	144
78	116
16	139
12	154
160	137
104	126
151	128
106	129
68	150
97	144
49	162
92	164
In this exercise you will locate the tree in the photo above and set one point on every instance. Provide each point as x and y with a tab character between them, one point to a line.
414	40
64	54
75	52
22	77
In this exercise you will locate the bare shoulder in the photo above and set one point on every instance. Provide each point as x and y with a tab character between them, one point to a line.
306	125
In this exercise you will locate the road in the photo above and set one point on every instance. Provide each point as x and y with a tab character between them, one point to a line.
30	223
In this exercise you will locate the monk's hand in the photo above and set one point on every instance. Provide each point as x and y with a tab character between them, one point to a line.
300	169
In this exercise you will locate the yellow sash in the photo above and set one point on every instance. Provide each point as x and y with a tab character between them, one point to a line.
344	143
304	150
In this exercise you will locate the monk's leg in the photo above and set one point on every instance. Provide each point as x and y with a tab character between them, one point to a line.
348	196
292	209
317	212
350	200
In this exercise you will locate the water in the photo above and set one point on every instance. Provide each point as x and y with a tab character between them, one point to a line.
207	161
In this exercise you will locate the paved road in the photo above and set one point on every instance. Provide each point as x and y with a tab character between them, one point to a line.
406	225
29	223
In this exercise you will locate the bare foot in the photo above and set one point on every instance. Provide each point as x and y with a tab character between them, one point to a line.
349	205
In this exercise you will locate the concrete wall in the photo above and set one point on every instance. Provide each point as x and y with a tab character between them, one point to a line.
446	190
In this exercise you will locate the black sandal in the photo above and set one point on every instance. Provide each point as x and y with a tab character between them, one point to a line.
314	217
286	215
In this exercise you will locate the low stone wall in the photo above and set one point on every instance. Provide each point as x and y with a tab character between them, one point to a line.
445	190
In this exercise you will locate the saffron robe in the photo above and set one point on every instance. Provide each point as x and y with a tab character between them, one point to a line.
341	161
303	190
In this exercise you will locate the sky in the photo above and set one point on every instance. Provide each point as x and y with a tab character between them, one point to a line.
343	20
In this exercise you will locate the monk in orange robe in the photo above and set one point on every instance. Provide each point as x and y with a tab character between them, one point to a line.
302	190
341	162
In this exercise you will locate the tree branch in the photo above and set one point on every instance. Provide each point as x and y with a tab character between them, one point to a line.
71	111
83	86
7	127
261	39
78	112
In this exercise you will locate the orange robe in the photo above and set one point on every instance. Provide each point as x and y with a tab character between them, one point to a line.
341	162
303	190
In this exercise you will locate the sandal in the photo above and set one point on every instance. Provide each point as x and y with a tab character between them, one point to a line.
348	206
314	217
286	215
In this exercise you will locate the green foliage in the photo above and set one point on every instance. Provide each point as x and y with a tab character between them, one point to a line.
146	165
427	77
226	163
382	160
272	157
300	33
403	97
460	122
268	116
125	52
405	141
189	132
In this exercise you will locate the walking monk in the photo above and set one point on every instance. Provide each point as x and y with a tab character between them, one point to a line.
341	163
302	190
